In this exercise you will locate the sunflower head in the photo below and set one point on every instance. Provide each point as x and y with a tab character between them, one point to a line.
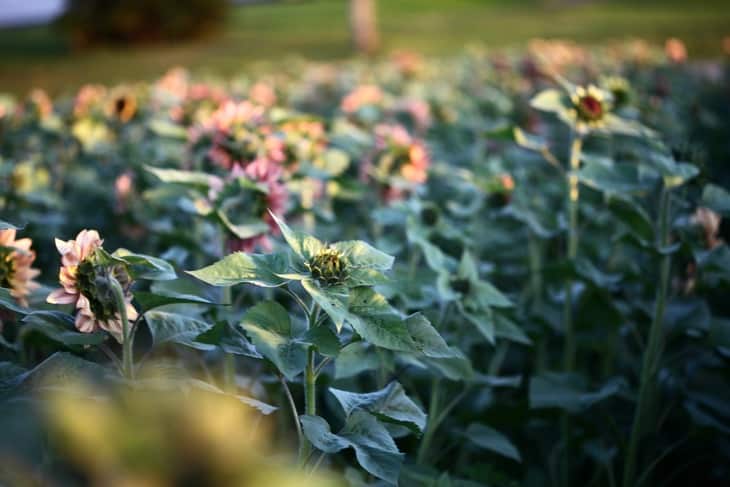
328	267
123	106
590	105
619	88
93	282
460	285
7	266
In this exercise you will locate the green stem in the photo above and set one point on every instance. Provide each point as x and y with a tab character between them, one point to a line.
127	355
310	386
573	197
295	414
569	350
652	355
433	419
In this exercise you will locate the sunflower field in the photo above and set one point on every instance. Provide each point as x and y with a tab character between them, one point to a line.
494	268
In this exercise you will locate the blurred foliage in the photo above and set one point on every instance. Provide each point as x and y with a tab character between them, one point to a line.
93	22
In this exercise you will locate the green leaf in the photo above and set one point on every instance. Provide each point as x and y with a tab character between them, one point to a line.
305	246
374	448
456	367
507	329
258	269
356	358
61	368
168	327
483	320
361	255
633	216
377	322
145	266
488	438
230	339
324	339
390	404
616	178
488	295
243	230
270	329
148	301
568	392
550	100
7	301
58	327
10	226
318	432
183	177
332	299
425	337
717	199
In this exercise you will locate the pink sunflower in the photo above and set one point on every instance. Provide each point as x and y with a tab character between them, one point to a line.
16	273
78	277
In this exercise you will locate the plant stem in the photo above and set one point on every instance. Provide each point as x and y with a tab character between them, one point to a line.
652	355
569	350
310	386
127	355
573	196
433	419
293	406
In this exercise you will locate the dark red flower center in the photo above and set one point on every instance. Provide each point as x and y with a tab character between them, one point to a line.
590	108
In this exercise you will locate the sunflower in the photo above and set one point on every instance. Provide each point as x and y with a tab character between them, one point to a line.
83	276
16	273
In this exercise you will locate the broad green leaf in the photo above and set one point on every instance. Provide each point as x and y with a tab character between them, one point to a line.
61	368
318	432
717	199
146	267
10	226
633	216
389	404
507	329
270	329
455	367
332	299
426	338
149	301
356	358
568	392
230	339
176	328
550	100
7	301
183	177
377	322
58	327
485	437
483	320
375	450
305	246
487	295
258	269
323	339
360	254
618	178
243	230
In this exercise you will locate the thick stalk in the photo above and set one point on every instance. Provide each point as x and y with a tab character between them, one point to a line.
127	356
229	360
310	386
569	350
572	252
652	355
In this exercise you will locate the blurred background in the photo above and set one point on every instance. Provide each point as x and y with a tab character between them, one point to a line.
60	44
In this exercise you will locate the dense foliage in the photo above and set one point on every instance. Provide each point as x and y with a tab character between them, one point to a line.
495	269
91	22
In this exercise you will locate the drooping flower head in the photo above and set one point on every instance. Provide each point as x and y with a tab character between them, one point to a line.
84	277
16	273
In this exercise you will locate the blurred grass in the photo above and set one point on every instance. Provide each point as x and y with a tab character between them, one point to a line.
318	29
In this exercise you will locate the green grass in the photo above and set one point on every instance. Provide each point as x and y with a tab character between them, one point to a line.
318	29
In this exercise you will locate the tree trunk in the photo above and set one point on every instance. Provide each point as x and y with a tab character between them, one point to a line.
362	22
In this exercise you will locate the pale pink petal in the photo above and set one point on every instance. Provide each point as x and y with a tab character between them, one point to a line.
59	296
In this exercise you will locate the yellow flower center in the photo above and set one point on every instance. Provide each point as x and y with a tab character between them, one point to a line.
328	267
